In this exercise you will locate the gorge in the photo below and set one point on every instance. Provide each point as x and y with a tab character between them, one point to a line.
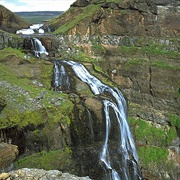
132	45
125	143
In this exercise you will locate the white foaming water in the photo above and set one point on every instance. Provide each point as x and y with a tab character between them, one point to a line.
31	29
38	47
61	79
25	31
126	145
36	26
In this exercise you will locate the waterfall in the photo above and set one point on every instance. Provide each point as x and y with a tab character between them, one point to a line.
61	79
125	151
90	125
38	47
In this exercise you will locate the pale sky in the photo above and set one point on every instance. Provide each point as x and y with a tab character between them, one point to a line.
36	5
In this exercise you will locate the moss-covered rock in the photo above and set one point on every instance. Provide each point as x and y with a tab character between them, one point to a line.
29	105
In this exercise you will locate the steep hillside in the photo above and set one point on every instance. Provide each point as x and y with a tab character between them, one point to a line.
120	17
136	43
129	44
11	22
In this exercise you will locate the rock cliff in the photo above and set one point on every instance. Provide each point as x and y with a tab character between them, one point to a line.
132	44
136	43
130	18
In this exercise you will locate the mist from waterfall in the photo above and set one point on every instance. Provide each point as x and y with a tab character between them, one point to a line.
126	151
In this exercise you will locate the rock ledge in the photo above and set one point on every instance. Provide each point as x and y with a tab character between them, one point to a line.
39	174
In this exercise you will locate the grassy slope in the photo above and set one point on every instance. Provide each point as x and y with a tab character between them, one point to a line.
21	94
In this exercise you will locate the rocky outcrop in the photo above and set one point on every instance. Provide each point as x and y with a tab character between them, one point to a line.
80	3
134	42
8	154
127	18
10	22
8	40
39	174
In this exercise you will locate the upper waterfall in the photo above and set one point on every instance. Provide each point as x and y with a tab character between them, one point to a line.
127	158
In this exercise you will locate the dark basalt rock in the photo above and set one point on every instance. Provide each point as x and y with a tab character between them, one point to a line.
80	3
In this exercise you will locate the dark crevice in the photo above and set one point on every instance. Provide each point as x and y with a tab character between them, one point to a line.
150	81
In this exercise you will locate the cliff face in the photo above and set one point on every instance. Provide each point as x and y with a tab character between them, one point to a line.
132	18
10	22
137	44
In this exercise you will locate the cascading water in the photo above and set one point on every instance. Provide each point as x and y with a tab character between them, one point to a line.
90	125
61	79
38	47
126	155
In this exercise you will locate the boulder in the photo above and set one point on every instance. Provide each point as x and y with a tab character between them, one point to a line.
8	154
39	174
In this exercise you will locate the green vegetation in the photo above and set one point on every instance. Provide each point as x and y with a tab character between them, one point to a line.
138	61
98	49
159	50
152	155
11	51
174	120
47	160
87	12
146	133
166	65
116	1
23	95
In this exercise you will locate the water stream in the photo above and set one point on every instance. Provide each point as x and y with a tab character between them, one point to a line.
125	164
38	47
126	154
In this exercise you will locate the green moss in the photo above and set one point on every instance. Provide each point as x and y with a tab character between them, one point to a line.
46	75
174	120
159	50
60	160
98	49
137	61
150	154
166	65
15	118
146	133
130	50
22	96
11	51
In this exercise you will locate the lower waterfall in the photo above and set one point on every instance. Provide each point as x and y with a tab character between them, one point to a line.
126	155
